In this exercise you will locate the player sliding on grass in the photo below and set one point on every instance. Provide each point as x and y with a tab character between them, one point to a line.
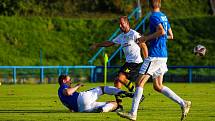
86	101
155	64
132	50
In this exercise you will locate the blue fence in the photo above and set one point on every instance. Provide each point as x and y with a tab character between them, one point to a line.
27	69
175	74
190	70
96	72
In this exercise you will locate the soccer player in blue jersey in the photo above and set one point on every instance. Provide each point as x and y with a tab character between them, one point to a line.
86	101
155	64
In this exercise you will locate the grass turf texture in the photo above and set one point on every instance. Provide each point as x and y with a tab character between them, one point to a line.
40	102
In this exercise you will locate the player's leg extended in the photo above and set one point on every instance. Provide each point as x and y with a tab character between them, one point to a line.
158	86
110	106
110	90
125	72
144	74
118	85
99	107
88	98
119	94
141	80
131	71
129	85
132	76
132	115
122	80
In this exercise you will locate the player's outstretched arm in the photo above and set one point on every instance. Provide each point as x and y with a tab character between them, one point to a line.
159	32
71	90
102	44
144	49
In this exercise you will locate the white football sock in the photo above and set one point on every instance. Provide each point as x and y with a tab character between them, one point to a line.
110	90
136	100
108	107
170	94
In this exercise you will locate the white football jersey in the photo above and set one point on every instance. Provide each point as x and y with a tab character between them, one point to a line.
130	48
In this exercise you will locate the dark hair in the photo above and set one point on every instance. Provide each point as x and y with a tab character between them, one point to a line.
61	78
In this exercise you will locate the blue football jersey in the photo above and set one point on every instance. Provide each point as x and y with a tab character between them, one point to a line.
158	47
69	101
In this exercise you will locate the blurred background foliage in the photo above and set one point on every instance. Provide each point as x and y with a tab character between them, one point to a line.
64	29
79	8
63	8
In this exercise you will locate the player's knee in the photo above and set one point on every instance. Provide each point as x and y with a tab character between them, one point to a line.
122	77
140	84
142	79
117	84
157	87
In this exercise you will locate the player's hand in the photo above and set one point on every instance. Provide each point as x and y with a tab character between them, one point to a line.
80	85
141	39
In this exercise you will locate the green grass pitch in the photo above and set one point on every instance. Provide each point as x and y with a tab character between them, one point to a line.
40	103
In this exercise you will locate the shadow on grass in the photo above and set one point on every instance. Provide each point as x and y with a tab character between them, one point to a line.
34	111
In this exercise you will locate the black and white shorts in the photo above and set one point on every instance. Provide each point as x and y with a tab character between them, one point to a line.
130	70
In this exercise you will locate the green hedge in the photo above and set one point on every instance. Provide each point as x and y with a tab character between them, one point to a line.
63	7
189	32
62	41
66	41
98	8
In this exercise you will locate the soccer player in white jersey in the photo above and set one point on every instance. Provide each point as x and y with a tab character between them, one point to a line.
132	50
155	64
87	101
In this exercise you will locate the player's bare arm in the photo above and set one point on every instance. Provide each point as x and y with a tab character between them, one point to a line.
71	90
144	49
170	34
159	32
102	44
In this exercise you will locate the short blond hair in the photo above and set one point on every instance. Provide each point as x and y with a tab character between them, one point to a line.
155	3
125	18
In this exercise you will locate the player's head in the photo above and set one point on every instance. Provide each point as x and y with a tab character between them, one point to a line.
155	3
64	79
124	24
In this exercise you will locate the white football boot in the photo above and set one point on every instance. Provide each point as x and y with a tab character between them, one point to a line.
127	115
185	109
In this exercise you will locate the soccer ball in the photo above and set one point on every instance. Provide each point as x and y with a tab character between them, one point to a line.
199	50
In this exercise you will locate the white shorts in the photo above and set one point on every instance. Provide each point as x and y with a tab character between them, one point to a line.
87	100
154	66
